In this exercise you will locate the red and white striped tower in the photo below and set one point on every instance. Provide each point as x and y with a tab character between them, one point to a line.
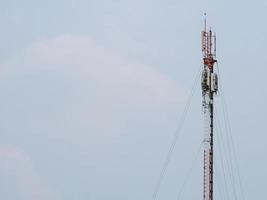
209	84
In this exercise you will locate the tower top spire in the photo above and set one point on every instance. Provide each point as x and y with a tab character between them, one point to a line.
208	45
205	21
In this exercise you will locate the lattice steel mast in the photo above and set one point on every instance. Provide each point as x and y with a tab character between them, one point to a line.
209	85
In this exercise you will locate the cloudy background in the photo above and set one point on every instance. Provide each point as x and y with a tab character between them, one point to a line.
91	92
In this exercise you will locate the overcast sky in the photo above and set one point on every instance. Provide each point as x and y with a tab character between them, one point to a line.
91	92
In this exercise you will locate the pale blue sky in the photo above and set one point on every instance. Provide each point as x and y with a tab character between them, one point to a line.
92	91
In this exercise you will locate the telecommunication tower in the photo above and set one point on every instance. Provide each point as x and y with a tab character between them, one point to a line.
209	84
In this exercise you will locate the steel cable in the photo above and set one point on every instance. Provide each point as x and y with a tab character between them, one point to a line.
176	136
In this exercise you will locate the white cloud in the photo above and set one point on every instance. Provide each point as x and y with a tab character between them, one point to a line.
16	163
119	98
118	85
115	78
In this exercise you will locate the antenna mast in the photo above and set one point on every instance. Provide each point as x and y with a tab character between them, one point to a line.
209	84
